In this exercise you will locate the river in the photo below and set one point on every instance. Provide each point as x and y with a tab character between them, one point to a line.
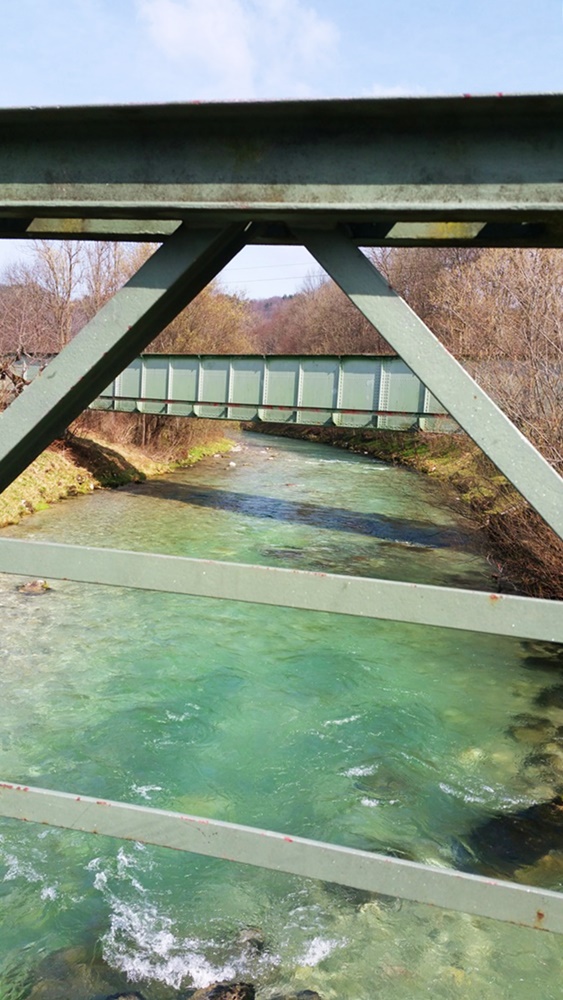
372	734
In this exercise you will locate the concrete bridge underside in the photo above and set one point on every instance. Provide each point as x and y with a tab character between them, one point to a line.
332	176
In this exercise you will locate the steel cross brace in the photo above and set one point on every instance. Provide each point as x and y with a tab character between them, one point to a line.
528	906
390	600
438	370
173	276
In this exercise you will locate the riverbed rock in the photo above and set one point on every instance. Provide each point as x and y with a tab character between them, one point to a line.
251	939
301	995
225	991
126	996
513	840
551	697
528	728
548	663
34	587
76	974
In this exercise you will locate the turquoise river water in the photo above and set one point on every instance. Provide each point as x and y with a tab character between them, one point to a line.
371	734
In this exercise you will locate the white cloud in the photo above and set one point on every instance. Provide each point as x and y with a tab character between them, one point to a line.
242	48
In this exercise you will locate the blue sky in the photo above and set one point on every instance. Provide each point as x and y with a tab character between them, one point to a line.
121	51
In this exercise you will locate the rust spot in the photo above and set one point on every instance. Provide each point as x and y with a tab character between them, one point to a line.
540	915
494	597
3	784
77	799
289	839
101	802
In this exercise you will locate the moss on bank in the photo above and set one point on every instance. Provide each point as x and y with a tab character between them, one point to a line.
80	464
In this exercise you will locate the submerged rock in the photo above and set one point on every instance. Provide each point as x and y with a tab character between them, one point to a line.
530	729
34	587
77	973
126	996
225	991
513	840
553	663
551	697
289	552
251	939
301	995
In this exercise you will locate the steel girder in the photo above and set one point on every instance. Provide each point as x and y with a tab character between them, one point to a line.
489	161
369	164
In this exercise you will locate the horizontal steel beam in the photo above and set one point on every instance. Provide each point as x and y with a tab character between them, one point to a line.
527	906
372	160
474	611
547	233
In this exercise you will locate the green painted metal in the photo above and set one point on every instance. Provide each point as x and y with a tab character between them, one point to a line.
388	172
474	611
120	230
475	412
126	324
516	904
544	233
357	391
375	160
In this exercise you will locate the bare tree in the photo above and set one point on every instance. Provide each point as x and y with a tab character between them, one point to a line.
58	268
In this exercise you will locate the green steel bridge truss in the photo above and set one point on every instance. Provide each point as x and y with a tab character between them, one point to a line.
204	180
355	391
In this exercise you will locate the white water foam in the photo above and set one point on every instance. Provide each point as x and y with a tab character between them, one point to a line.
141	943
145	790
341	722
318	949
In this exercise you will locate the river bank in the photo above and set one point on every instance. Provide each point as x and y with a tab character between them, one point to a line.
86	460
527	557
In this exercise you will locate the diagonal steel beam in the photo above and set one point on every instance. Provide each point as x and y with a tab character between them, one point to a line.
475	611
475	412
540	909
123	327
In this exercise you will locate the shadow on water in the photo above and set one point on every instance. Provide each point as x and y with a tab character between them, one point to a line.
422	533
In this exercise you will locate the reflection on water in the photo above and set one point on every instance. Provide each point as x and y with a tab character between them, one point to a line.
372	734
